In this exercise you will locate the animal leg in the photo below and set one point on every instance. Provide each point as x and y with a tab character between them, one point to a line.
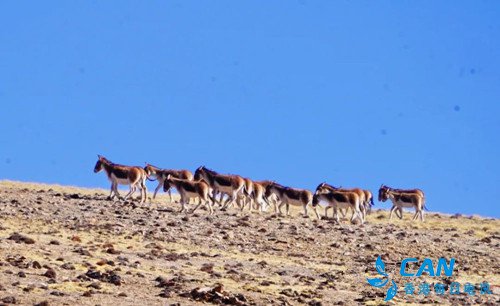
393	208
214	194
316	212
183	204
305	211
112	193
132	190
170	195
242	204
260	205
326	211
156	190
421	211
279	208
343	212
145	189
196	207
227	204
417	212
354	213
117	193
250	203
336	215
360	216
400	210
210	208
363	212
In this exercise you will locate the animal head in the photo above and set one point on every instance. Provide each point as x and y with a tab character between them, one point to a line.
198	174
316	200
167	183
322	188
150	169
325	188
100	163
383	193
271	188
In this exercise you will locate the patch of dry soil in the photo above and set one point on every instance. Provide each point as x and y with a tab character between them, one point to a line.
69	246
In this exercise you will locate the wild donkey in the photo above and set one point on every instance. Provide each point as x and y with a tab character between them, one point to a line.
232	185
272	199
254	194
401	198
368	200
123	175
337	200
161	175
290	196
246	197
362	194
190	189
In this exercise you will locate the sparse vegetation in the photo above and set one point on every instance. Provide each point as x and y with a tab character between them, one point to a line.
110	253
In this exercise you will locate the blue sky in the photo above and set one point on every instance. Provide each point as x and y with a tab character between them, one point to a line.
355	93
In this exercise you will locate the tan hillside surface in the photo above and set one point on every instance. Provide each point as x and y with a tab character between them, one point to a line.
71	246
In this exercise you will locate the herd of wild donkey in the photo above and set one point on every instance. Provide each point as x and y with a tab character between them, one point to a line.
206	184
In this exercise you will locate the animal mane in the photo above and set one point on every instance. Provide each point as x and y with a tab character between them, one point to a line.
325	184
281	186
107	161
210	170
110	163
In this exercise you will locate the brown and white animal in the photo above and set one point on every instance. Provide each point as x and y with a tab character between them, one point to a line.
258	196
337	199
402	198
272	199
190	189
232	185
290	196
161	174
368	200
246	197
364	204
133	176
255	196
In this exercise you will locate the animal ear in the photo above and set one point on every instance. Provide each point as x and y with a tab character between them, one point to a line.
99	156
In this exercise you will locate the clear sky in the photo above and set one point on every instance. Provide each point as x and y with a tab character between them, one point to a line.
355	93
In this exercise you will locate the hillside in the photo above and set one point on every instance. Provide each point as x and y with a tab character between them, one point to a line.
66	246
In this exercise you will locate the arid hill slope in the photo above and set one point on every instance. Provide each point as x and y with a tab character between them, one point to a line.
70	246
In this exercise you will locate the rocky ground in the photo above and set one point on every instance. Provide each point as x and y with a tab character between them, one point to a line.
71	246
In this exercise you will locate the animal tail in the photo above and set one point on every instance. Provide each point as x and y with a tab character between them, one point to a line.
425	206
371	202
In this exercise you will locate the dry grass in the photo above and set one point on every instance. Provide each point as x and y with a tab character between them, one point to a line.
160	198
316	253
